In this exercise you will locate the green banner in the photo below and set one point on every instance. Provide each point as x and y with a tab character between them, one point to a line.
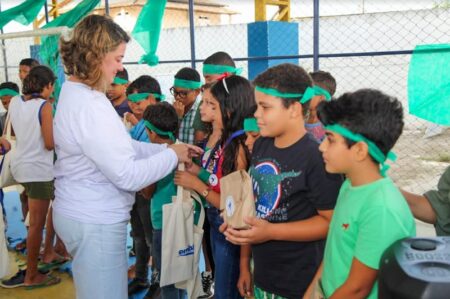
23	13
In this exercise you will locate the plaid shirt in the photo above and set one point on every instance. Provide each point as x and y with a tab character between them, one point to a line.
186	131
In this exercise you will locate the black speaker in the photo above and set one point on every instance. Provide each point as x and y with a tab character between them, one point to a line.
416	268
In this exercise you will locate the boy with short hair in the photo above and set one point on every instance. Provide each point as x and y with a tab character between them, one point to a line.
161	122
185	90
371	213
25	67
117	93
325	86
295	197
142	93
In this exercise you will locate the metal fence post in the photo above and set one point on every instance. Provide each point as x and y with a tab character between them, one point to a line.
107	7
192	32
316	35
5	61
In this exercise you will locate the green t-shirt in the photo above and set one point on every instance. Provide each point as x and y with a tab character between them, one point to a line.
164	191
366	221
440	201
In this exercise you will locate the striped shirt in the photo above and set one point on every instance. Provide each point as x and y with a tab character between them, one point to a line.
186	131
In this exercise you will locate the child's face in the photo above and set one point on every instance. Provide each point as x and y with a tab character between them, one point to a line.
112	63
211	78
116	91
5	101
24	70
315	101
250	140
47	91
185	96
139	107
210	108
273	118
336	154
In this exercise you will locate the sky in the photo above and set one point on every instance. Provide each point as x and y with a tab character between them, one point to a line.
299	8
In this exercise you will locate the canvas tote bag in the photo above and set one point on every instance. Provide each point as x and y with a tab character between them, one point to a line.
6	178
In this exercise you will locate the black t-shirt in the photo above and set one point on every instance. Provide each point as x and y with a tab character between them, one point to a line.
290	184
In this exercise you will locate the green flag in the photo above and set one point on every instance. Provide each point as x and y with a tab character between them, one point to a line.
148	28
429	83
23	13
49	47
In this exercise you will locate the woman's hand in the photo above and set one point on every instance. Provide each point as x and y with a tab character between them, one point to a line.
185	152
5	145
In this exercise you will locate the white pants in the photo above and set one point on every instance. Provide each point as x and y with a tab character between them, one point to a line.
99	257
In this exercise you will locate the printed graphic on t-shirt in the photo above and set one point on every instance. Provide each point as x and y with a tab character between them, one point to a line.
267	187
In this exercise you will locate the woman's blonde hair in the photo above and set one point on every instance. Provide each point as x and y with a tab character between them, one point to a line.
92	38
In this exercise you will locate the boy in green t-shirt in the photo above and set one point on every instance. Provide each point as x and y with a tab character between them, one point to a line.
371	213
161	122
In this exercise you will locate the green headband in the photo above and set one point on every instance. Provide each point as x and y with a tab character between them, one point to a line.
250	125
8	92
213	69
120	81
304	97
319	91
374	150
137	97
151	127
188	84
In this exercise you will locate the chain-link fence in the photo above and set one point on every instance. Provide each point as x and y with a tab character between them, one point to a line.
363	43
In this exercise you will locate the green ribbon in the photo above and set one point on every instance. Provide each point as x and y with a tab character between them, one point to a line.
213	69
151	127
23	13
250	125
137	97
8	92
374	150
120	81
188	84
319	91
304	97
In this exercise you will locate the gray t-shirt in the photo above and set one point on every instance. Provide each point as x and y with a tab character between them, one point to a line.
440	201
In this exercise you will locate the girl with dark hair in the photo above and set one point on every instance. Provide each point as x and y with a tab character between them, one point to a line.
32	166
225	105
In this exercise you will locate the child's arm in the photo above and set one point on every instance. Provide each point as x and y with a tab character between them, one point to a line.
47	126
245	284
311	229
148	191
309	291
359	283
420	207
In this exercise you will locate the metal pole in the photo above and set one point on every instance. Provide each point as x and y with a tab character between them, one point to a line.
107	7
46	12
192	32
316	35
5	61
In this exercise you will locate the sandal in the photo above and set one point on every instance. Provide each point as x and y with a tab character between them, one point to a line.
49	281
52	265
21	246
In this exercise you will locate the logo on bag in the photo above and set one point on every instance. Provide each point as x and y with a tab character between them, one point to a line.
267	178
187	251
230	205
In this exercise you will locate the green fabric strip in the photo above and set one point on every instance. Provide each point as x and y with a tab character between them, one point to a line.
250	125
120	81
147	30
23	13
374	150
188	84
151	127
319	91
8	92
137	97
304	97
204	175
213	69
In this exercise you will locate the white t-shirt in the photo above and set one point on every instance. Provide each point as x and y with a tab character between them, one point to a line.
99	167
31	161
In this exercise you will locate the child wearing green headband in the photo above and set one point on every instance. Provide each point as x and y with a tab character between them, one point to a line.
252	132
295	197
185	90
371	213
325	85
117	93
8	90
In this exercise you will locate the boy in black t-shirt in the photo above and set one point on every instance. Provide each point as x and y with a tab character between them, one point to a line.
295	196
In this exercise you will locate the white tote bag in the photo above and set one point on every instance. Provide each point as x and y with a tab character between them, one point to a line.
6	178
194	286
177	256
